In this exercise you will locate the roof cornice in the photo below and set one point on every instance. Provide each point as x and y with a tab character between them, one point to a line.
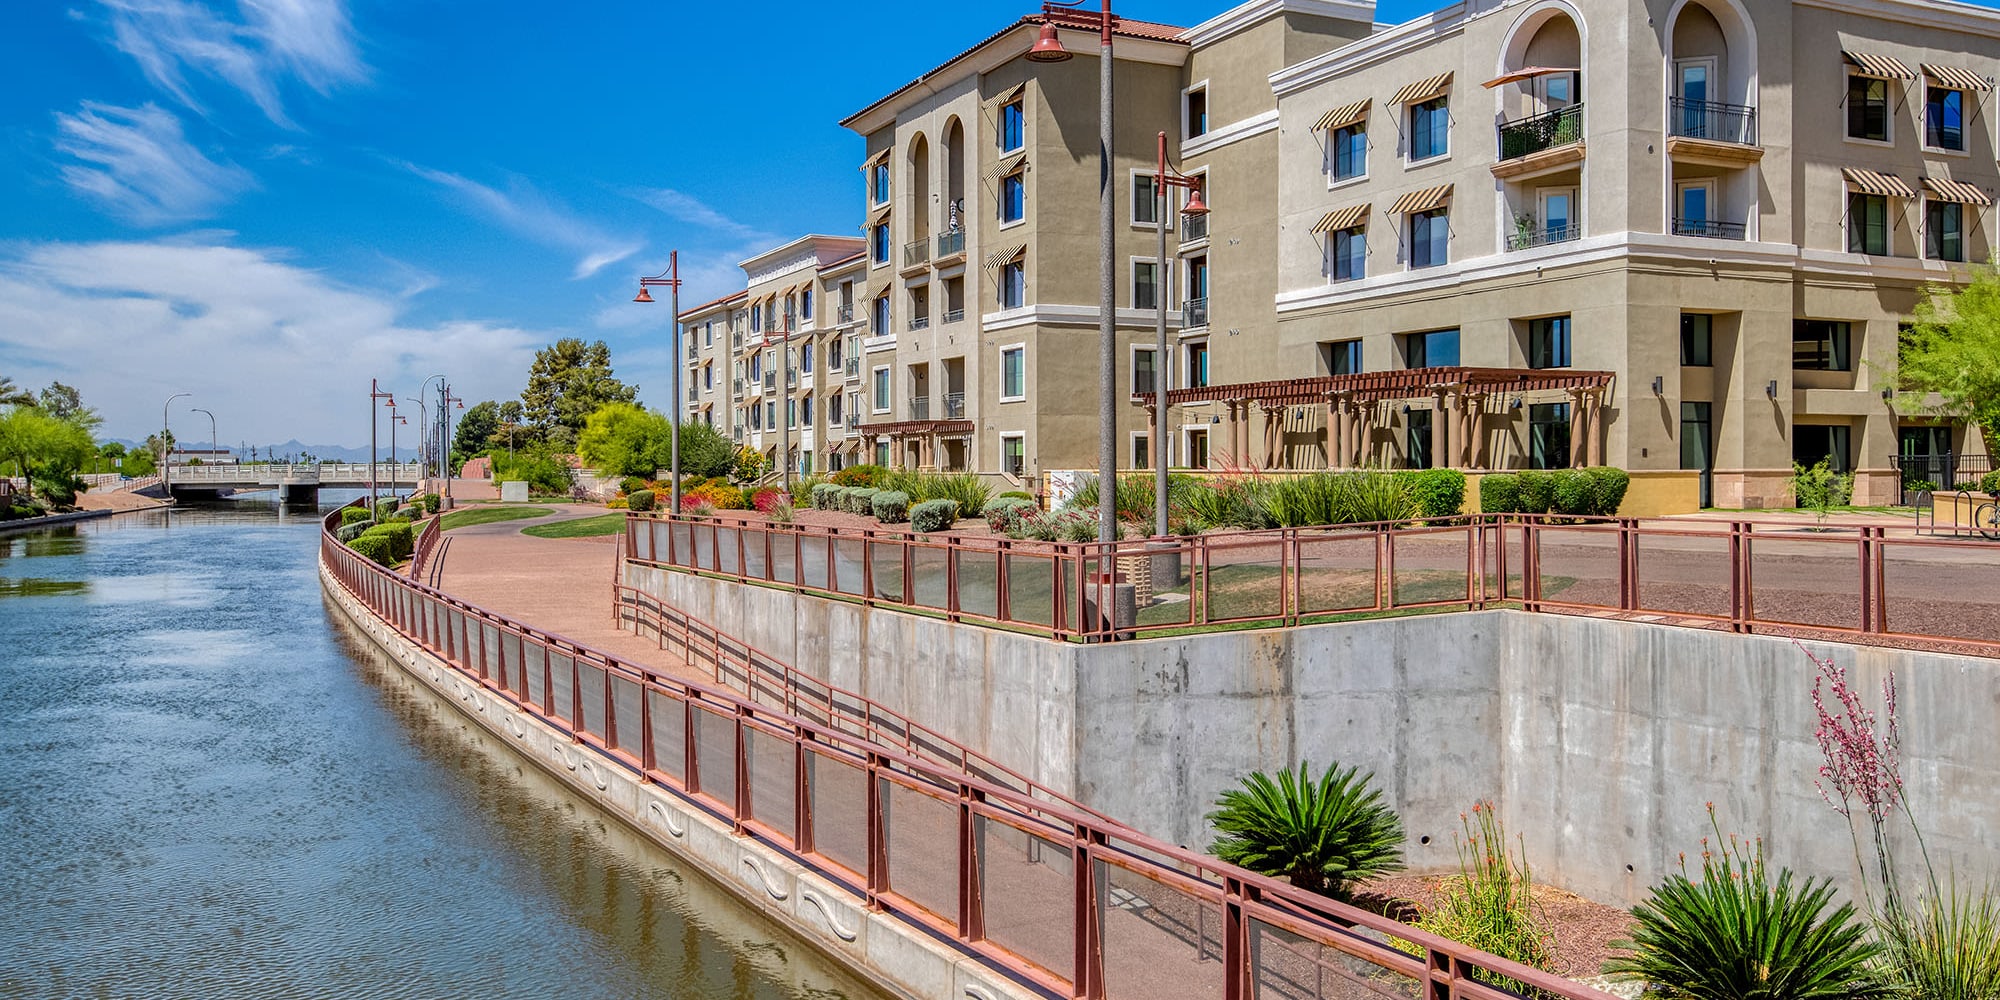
1413	34
1249	15
1948	15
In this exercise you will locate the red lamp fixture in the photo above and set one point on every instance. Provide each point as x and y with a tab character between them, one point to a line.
1048	48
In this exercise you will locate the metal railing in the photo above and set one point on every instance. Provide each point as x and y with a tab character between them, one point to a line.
1725	575
694	393
954	315
1195	313
1944	471
1713	121
905	822
1194	228
954	406
1708	228
853	372
1541	236
920	408
791	378
916	252
265	473
771	380
1544	131
920	323
844	313
853	421
950	243
736	389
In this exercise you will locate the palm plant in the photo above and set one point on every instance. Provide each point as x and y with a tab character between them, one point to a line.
1739	935
1324	835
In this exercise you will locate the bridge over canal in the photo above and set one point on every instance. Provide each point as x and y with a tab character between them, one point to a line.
297	482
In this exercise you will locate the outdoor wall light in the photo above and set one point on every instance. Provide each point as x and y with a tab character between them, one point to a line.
1517	403
1889	393
1771	389
1659	385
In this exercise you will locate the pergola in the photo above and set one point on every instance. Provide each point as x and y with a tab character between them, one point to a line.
929	434
1463	396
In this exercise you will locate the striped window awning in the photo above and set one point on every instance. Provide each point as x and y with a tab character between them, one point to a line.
1343	116
1423	90
1879	65
1956	78
869	163
1007	166
1944	189
1342	218
1007	95
1007	256
878	213
1422	201
1876	182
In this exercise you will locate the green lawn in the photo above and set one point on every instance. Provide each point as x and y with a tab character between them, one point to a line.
582	527
487	515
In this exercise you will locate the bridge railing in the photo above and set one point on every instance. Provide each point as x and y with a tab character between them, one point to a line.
329	472
1850	584
1030	884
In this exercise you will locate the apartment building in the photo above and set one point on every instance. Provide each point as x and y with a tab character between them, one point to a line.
773	366
981	222
1676	234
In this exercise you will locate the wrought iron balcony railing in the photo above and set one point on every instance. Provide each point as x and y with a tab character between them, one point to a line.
1712	230
844	314
1713	121
1194	228
1195	312
1541	236
854	369
1544	131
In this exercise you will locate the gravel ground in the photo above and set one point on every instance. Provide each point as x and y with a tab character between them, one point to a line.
1583	930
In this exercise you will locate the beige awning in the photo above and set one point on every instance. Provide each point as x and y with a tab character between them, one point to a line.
1956	78
999	257
1879	65
871	161
1423	90
1527	73
878	213
1342	218
1343	116
1006	95
1944	189
1422	201
1876	182
1007	166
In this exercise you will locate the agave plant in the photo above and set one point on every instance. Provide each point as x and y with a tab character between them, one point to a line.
1944	947
1740	935
1324	835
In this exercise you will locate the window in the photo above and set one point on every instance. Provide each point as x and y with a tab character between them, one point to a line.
708	376
833	409
1013	373
1695	199
1014	284
1343	357
757	316
806	358
1548	342
1812	443
1548	436
1347	254
1430	129
1197	365
1013	197
833	353
1141	456
708	334
1436	349
878	181
1868	108
1197	280
1697	340
1821	345
1142	371
882	398
791	413
1697	436
1430	238
878	243
1197	112
806	411
881	318
1012	126
1145	285
1349	151
881	451
1417	439
806	303
1014	455
1867	223
1145	200
1944	118
771	414
1944	230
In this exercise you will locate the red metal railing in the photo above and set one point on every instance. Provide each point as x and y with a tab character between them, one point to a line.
1040	890
1855	584
426	548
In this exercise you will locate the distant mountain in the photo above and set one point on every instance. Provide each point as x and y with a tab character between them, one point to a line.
295	448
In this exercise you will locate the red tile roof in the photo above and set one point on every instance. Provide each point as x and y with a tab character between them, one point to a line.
706	306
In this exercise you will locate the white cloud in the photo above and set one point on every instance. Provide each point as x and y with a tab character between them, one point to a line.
137	163
687	208
276	350
309	40
529	213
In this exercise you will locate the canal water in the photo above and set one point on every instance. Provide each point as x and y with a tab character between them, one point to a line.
210	787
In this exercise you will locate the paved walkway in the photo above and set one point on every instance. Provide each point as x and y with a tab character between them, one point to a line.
559	585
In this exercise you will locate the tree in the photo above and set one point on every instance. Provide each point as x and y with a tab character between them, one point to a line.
622	439
569	381
1952	348
48	451
65	403
475	429
1324	835
510	412
13	395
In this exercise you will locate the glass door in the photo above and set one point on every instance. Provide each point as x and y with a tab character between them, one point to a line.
1557	218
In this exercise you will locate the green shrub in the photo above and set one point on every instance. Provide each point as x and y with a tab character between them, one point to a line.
1820	489
639	500
432	503
857	475
1323	834
1607	489
384	508
353	515
824	496
1314	498
350	532
1500	493
1374	498
1571	488
401	540
544	473
630	485
1015	495
1945	946
1538	492
1919	486
890	506
861	499
782	513
1434	493
934	515
1990	483
1002	512
1075	524
1228	502
1738	933
1490	905
373	546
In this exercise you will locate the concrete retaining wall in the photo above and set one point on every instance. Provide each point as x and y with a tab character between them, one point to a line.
1601	741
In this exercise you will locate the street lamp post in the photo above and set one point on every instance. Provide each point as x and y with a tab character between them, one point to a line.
445	400
1048	48
1162	182
423	409
394	419
214	443
671	279
374	393
166	447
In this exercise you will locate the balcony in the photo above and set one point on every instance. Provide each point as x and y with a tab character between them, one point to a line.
920	408
954	315
950	244
919	323
1194	313
1541	143
844	314
1712	133
1531	236
1711	230
791	378
737	389
853	421
916	255
853	372
694	394
771	380
1194	228
954	406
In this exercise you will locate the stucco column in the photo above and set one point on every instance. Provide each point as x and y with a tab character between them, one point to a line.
1440	430
1239	440
1331	444
1577	430
1596	398
1475	424
1274	422
1358	433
